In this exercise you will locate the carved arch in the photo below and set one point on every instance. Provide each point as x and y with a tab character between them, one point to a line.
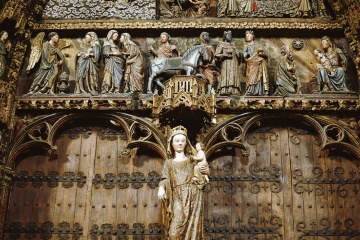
332	133
42	132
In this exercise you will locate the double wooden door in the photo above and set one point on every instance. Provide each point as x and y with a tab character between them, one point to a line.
288	188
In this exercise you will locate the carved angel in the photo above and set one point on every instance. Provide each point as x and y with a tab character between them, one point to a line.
51	60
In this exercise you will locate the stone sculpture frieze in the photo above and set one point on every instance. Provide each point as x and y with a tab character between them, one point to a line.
245	71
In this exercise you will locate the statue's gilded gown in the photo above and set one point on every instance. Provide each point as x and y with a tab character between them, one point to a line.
184	207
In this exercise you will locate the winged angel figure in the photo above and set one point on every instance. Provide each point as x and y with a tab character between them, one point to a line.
51	60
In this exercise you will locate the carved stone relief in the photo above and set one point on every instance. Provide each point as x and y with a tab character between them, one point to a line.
125	9
99	9
304	59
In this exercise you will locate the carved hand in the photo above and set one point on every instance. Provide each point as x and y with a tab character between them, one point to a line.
162	193
204	170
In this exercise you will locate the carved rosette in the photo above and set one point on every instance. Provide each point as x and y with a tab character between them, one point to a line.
188	91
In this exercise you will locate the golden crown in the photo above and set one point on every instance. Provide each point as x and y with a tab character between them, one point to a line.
178	130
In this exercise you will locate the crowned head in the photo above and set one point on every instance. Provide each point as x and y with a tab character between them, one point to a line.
176	131
249	35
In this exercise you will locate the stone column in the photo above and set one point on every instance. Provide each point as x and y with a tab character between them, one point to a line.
6	177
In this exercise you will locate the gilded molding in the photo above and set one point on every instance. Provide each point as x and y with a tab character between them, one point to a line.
83	104
195	24
7	105
6	177
158	104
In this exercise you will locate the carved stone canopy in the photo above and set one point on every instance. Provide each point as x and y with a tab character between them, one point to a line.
184	97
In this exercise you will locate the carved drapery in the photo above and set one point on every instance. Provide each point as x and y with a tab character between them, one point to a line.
347	12
6	175
7	104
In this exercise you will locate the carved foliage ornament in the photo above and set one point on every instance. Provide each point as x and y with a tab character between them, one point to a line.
95	9
186	24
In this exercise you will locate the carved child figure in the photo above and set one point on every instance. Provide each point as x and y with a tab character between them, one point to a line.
324	63
200	161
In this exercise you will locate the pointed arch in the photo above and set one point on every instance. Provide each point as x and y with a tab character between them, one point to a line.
41	133
239	126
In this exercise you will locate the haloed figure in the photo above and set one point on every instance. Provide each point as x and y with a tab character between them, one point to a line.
256	68
134	71
87	67
114	64
333	76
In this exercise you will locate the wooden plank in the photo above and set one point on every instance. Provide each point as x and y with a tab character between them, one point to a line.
225	198
249	199
321	202
238	203
264	196
340	200
103	199
147	197
126	196
31	208
307	170
277	200
352	206
68	161
331	188
83	194
288	205
296	142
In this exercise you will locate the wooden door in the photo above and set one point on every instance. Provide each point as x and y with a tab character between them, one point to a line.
286	189
94	189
